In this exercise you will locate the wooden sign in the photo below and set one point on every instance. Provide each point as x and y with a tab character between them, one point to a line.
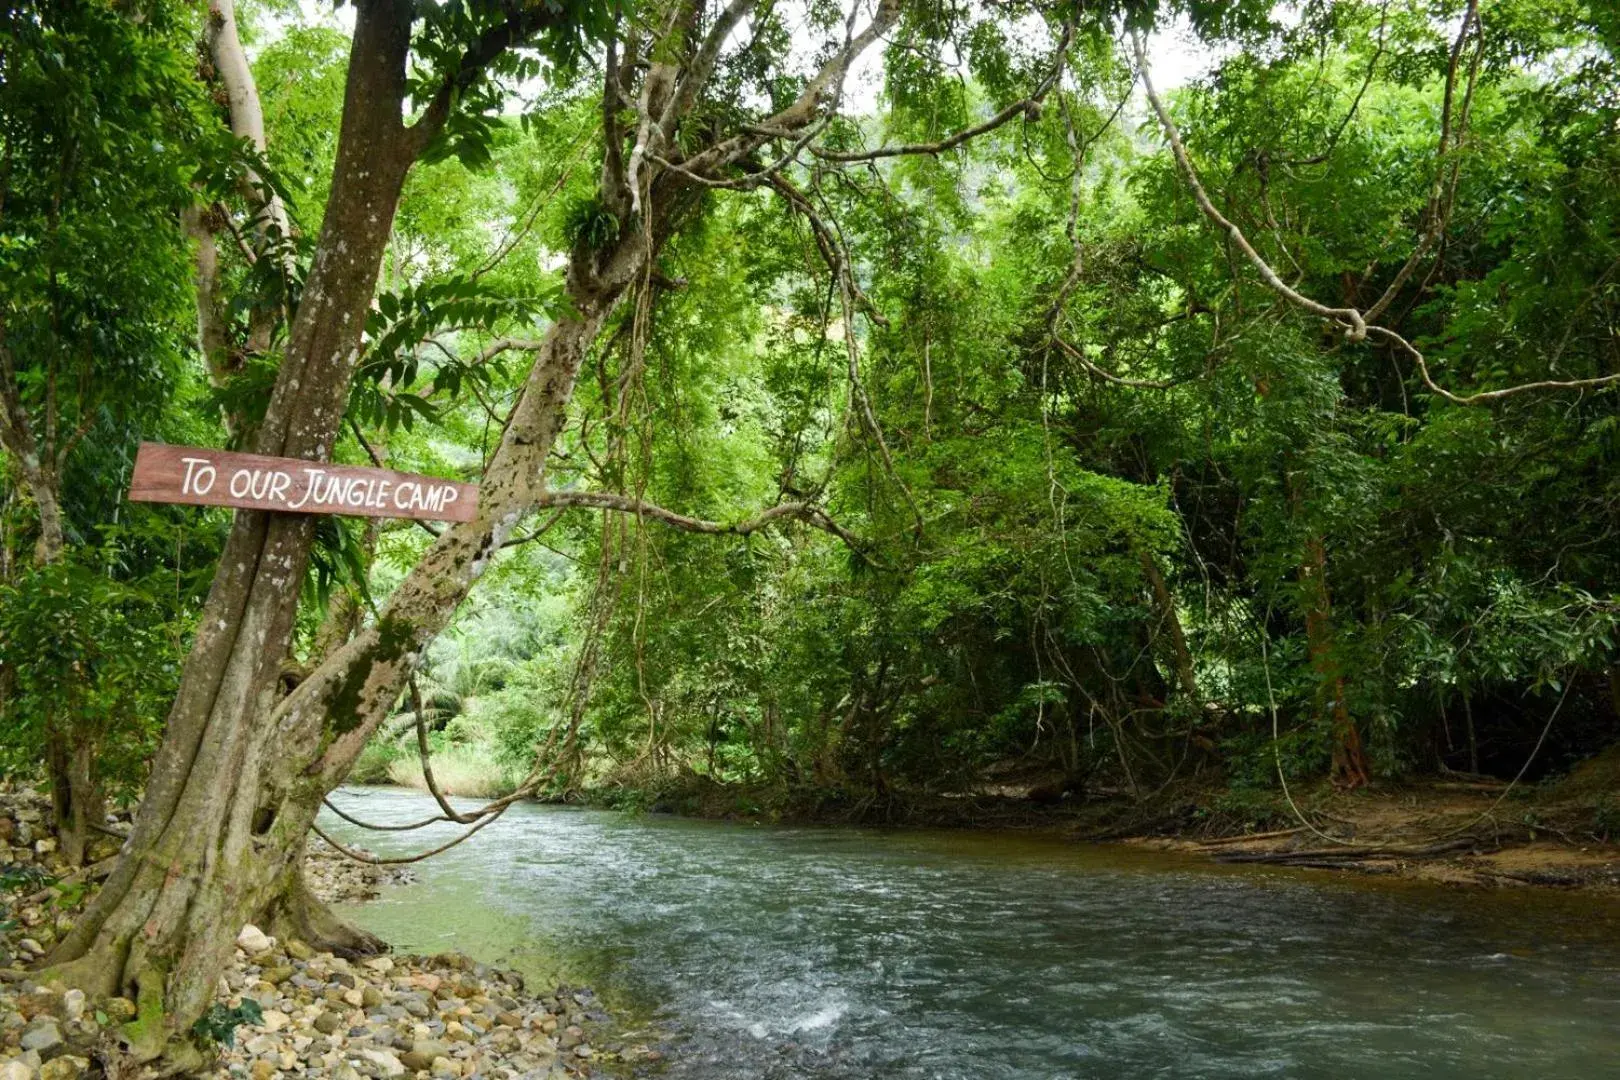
191	474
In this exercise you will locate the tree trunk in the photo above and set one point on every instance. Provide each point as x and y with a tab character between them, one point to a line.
294	912
1186	676
78	804
229	799
1349	760
52	542
242	770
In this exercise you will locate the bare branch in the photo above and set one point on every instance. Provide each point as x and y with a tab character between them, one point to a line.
1356	328
814	516
1355	323
702	66
1438	209
951	142
828	81
1355	103
1084	361
426	758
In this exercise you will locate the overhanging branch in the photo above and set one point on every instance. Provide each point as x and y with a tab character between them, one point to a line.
1355	324
813	516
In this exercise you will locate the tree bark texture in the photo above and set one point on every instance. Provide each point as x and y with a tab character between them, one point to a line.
244	765
1349	759
212	840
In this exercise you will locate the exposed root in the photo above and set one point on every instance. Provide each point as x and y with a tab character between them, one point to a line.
298	913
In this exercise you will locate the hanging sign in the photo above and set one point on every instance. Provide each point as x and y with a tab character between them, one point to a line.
201	477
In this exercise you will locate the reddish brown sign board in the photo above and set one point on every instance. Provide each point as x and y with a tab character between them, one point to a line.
201	477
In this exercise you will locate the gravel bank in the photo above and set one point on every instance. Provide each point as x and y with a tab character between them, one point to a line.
284	1010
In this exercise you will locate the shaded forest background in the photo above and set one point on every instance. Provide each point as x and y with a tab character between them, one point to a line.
1113	516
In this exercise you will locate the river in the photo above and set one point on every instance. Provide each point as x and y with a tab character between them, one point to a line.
787	952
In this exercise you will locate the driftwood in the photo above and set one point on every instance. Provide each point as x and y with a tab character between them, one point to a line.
1334	858
1222	841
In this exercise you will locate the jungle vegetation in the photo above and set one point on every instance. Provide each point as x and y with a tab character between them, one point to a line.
870	401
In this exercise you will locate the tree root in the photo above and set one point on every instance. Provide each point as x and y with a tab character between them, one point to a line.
298	913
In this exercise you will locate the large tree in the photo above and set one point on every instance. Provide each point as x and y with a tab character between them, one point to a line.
694	98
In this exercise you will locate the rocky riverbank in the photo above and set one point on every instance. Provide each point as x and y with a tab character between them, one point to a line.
285	1010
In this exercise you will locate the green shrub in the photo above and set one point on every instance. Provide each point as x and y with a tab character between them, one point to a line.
87	660
372	766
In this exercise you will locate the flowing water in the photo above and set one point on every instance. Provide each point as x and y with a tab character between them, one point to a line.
776	952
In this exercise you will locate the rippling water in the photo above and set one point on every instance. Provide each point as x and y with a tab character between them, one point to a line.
774	952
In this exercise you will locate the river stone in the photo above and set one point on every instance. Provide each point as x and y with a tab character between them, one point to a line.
73	1004
277	975
445	1069
66	1067
42	1036
39	1003
119	1010
253	941
370	997
298	950
262	1070
260	1045
275	1020
386	1063
424	1051
16	1070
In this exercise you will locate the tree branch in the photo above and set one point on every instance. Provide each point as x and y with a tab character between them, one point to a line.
1354	322
951	142
813	516
520	27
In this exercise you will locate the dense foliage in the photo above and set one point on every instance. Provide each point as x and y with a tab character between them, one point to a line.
1116	510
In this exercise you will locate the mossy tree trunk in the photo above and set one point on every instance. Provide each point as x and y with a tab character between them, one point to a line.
229	799
244	763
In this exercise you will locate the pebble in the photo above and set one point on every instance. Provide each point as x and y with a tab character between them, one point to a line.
66	1067
73	1004
447	1017
253	941
41	1036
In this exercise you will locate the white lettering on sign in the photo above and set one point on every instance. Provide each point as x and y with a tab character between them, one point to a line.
223	478
200	476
